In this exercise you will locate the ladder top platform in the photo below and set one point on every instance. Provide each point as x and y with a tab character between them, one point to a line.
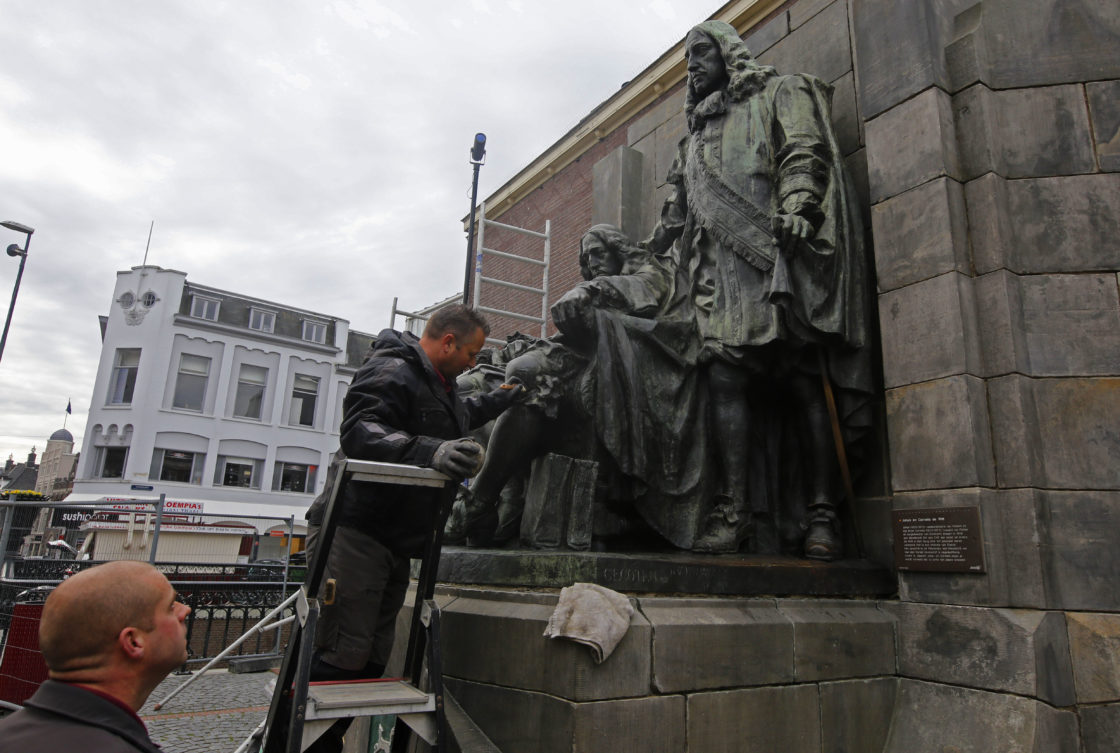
394	473
347	699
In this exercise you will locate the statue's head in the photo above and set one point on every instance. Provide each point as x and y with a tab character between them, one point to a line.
718	60
706	70
605	250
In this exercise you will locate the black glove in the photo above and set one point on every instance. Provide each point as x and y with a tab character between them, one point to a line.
507	394
459	458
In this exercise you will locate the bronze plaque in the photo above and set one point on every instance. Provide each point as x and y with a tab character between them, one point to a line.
945	540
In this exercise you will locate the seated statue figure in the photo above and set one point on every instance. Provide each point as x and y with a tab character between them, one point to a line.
617	385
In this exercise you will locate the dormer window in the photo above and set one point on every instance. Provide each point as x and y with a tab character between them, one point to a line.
262	321
204	308
315	332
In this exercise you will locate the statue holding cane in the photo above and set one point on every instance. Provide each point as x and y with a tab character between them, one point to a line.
771	261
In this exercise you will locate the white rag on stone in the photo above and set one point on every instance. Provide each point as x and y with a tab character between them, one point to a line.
592	615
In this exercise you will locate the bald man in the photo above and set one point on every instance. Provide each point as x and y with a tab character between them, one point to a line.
109	635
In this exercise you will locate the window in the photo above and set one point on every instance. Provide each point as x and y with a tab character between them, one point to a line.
294	477
204	308
250	391
149	299
190	387
261	320
243	472
304	394
123	380
315	332
110	462
126	300
175	465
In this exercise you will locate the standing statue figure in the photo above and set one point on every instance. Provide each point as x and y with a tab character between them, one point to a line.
771	260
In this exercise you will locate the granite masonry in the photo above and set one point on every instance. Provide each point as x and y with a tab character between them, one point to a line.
984	138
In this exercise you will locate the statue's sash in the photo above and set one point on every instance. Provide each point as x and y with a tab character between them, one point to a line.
725	213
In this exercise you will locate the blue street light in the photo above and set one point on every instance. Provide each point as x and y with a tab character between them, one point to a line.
15	250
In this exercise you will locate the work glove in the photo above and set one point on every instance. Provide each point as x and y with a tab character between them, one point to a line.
506	395
459	458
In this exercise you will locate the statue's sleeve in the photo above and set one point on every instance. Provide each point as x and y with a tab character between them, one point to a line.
638	294
802	149
673	211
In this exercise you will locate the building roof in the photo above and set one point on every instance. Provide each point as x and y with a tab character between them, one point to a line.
64	435
21	477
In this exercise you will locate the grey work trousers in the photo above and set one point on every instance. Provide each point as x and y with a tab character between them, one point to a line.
370	583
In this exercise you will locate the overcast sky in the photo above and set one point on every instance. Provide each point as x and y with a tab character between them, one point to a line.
310	153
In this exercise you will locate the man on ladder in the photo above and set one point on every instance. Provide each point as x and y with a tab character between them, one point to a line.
402	407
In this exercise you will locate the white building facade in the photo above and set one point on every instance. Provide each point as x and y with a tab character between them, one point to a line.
228	404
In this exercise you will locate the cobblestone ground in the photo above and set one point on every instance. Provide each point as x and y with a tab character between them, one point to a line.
213	715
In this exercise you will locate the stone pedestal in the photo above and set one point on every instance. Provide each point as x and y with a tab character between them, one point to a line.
691	674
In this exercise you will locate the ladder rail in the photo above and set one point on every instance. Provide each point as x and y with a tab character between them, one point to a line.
544	263
290	698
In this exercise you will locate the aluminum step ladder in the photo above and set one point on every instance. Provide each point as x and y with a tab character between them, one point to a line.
301	711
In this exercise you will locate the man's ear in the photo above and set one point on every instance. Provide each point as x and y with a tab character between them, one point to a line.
448	341
132	642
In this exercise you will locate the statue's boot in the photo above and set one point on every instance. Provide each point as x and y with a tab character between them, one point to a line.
480	519
509	523
511	505
455	531
725	529
823	541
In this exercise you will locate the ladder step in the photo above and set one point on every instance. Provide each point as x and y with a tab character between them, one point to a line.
336	700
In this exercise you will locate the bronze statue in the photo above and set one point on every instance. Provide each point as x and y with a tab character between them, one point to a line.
772	261
617	385
697	368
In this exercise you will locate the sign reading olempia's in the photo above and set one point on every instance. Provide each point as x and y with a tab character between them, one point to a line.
947	539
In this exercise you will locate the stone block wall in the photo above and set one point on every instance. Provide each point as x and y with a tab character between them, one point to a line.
991	134
703	675
984	139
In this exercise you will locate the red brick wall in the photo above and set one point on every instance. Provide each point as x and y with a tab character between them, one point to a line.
565	199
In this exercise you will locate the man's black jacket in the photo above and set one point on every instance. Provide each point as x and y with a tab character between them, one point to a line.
397	410
63	717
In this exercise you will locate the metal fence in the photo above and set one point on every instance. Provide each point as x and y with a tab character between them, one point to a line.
226	598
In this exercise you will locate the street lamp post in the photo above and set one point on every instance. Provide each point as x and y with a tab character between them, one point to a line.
478	156
15	250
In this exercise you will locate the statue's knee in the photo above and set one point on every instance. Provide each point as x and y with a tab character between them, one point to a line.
524	369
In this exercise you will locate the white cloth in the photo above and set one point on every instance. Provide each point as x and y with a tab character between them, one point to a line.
592	615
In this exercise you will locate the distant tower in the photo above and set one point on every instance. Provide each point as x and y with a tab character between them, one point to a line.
57	465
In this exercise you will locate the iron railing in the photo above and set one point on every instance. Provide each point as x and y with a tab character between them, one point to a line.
226	599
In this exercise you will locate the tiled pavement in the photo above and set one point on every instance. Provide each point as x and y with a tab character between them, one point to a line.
213	715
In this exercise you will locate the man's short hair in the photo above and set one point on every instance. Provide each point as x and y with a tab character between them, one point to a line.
84	615
459	320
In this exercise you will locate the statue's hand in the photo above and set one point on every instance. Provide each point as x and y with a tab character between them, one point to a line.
792	232
573	310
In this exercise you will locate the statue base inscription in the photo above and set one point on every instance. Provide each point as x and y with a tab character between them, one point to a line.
941	540
666	573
